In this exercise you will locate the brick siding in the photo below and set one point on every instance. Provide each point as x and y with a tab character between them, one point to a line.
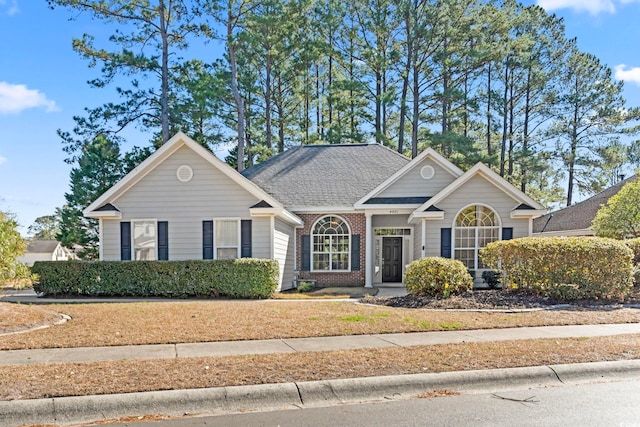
323	279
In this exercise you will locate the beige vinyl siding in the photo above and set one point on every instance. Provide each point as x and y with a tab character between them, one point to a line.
111	239
395	221
412	184
160	196
261	237
478	190
417	241
284	252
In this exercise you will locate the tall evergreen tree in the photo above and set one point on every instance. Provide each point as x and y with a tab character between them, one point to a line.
99	167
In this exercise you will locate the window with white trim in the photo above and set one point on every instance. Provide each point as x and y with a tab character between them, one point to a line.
331	241
227	238
475	227
144	240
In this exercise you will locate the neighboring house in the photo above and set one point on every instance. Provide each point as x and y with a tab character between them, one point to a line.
45	250
576	220
341	215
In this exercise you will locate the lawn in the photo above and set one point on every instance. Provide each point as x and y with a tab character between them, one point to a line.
198	321
189	321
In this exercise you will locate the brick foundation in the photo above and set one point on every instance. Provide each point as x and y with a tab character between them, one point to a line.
357	225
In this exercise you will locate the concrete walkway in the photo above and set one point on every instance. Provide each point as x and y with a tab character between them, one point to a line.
292	345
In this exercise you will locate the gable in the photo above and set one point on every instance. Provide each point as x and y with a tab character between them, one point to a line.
155	182
478	189
418	181
482	185
414	183
161	191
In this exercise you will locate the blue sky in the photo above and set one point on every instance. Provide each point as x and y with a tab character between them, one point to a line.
43	85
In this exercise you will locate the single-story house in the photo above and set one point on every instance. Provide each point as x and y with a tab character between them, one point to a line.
576	220
339	215
44	250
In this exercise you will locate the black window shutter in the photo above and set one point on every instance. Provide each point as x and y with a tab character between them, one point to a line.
245	238
207	239
306	252
355	252
507	233
163	240
445	242
125	241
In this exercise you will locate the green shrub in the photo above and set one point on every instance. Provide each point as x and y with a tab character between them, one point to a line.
636	276
567	268
304	287
240	278
437	277
634	245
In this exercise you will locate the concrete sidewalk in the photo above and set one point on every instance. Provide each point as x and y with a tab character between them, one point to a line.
292	345
296	395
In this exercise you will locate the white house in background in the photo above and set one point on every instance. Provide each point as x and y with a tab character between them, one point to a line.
341	215
45	250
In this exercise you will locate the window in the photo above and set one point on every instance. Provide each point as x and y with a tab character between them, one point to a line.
331	244
144	240
227	239
475	227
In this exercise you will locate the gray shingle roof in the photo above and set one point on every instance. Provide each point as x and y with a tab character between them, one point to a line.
325	175
41	246
578	216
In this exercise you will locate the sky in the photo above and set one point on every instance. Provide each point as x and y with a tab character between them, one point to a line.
43	85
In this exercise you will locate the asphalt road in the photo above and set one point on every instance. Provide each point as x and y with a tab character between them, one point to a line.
600	404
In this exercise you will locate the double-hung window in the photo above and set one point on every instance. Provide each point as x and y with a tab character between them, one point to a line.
227	238
144	240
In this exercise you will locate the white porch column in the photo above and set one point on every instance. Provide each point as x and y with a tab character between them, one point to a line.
424	238
368	251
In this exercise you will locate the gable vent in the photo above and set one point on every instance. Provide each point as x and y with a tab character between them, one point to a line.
427	172
184	173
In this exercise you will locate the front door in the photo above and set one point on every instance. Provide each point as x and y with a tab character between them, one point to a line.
392	259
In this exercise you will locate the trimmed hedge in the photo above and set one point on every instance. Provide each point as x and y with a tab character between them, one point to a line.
634	244
566	268
240	278
437	277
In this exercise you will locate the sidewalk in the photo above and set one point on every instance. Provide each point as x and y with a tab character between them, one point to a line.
292	345
297	395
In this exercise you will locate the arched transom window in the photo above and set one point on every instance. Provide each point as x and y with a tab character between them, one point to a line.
331	239
475	227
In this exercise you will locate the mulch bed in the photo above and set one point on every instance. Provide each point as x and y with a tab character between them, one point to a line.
496	299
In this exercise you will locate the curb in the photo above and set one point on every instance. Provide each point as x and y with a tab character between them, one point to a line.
262	397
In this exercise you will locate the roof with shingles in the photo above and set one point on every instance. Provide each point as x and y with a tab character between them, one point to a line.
40	246
578	216
325	175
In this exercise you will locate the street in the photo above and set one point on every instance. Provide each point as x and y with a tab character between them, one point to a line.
600	404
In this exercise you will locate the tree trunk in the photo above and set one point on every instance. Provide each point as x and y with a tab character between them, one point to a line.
503	147
267	102
235	91
164	95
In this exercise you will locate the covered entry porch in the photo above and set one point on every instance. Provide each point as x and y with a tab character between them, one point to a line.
389	248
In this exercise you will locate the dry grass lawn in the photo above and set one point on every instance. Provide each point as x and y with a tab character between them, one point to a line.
73	379
189	321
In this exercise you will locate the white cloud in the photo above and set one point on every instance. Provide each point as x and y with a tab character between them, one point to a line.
631	75
15	98
10	7
594	7
2	160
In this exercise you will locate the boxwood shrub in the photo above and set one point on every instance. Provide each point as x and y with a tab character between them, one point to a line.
437	277
566	268
240	278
